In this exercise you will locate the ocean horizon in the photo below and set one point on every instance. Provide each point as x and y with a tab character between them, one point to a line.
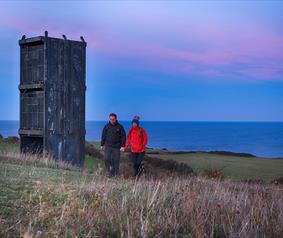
263	139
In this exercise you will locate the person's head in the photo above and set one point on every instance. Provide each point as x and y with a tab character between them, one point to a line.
112	118
135	121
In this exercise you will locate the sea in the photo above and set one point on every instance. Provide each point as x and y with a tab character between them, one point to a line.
263	139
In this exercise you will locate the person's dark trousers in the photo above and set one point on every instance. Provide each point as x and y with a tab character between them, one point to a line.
137	159
112	160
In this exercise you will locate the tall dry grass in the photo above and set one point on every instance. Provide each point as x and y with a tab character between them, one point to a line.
35	159
169	207
173	207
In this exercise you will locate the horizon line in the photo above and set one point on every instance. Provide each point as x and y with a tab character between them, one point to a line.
174	120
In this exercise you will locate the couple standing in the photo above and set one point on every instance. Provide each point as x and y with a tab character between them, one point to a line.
114	141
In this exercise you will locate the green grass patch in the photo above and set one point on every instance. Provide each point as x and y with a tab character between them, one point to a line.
7	146
92	164
236	167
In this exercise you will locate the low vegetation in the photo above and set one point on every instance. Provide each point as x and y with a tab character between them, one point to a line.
43	198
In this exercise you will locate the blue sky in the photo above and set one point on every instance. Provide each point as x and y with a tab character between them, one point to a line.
163	60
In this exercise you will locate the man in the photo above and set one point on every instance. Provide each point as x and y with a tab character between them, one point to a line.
112	141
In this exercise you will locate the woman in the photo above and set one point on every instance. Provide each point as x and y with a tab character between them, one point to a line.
137	140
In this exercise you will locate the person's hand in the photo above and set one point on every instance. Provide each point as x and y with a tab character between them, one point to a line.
122	149
101	147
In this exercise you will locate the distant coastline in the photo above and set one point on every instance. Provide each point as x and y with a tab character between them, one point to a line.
260	139
216	152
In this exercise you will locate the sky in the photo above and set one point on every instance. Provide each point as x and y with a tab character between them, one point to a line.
162	60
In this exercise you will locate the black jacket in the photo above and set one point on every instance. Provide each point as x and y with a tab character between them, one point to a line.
113	135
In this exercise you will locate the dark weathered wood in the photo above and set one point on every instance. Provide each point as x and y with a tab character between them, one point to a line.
52	93
31	132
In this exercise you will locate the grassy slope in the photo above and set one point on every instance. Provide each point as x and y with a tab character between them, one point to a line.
17	182
38	199
233	166
50	202
236	167
90	163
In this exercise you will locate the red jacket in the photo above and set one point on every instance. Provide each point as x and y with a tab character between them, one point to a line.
137	139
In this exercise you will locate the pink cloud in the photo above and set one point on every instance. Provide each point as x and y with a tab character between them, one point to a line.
248	52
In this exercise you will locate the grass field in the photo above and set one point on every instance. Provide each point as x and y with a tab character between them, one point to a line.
233	166
43	198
